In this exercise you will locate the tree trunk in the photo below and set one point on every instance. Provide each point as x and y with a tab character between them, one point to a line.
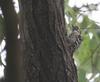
46	55
13	59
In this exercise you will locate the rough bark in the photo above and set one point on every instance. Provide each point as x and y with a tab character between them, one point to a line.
46	55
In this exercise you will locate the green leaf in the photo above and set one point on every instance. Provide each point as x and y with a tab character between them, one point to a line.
85	21
81	76
83	52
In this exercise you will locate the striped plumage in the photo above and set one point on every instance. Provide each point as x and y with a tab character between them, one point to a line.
75	38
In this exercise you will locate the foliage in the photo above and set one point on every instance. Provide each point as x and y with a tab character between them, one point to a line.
87	56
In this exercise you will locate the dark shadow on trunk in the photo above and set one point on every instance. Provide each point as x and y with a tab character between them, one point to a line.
13	68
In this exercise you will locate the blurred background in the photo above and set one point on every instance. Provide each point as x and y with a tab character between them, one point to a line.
86	15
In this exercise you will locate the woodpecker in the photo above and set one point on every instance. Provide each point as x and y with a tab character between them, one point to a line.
75	38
